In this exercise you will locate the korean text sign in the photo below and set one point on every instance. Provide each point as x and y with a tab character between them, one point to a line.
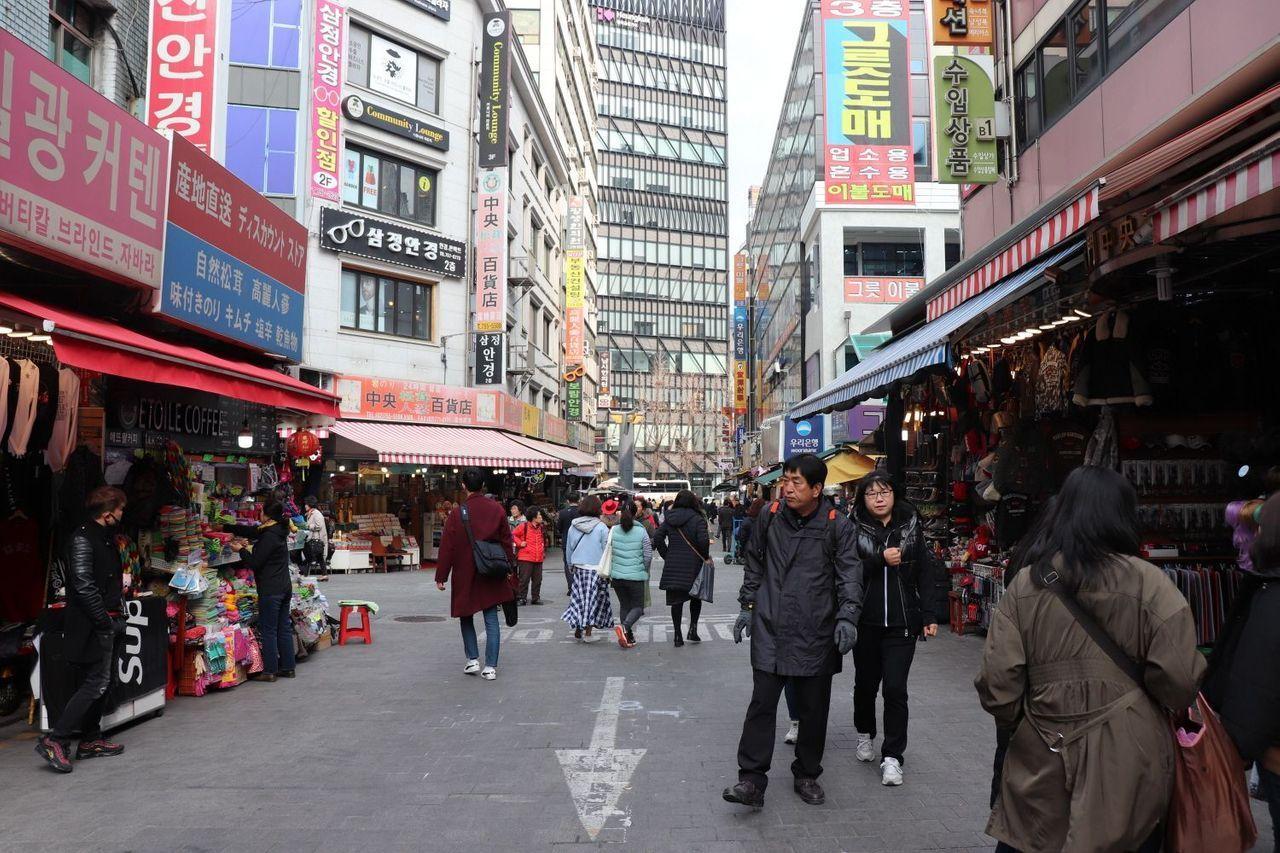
495	82
880	290
575	283
490	359
370	398
80	178
740	279
965	120
962	22
491	251
868	153
235	264
327	57
806	436
182	64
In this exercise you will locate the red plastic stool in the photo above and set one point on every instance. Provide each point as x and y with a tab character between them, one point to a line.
364	632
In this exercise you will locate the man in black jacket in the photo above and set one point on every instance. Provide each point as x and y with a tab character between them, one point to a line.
724	515
563	520
801	596
92	622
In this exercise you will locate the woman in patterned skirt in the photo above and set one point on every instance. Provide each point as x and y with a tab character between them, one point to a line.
584	545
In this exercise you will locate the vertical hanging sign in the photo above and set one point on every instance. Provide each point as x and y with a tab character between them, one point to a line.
740	331
491	251
575	283
495	84
490	365
965	120
182	63
868	153
327	56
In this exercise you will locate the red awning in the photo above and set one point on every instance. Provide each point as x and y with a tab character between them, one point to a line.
1253	173
419	444
105	347
571	456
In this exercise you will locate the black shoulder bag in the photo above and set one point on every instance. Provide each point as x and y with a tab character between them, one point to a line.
490	557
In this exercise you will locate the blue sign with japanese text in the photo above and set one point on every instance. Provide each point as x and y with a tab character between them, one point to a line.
805	436
208	288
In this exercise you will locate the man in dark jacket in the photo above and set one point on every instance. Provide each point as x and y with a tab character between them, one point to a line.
801	596
92	622
724	515
268	557
563	520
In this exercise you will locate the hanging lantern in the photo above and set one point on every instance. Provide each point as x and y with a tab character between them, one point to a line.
303	445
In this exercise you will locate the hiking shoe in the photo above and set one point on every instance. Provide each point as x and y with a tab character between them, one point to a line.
621	634
489	673
793	733
891	772
810	791
866	747
54	752
693	636
745	793
472	667
97	748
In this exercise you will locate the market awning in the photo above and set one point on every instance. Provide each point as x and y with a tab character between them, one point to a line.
570	456
769	477
102	346
418	444
845	464
925	347
1253	173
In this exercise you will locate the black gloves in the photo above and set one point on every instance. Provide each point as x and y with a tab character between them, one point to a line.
742	627
846	636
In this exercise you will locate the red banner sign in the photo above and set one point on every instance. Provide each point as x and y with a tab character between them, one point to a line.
370	398
182	64
873	290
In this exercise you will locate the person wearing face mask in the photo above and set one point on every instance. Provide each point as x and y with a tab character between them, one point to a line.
905	593
93	620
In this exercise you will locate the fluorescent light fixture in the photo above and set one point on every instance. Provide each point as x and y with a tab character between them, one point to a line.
40	339
1044	327
5	329
21	333
1083	314
1010	341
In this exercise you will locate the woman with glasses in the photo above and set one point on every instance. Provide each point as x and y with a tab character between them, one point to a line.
905	594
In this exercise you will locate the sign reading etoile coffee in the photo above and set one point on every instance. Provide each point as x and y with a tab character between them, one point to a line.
495	82
380	240
358	109
140	416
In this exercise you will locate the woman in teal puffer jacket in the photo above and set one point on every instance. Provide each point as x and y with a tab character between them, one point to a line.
629	572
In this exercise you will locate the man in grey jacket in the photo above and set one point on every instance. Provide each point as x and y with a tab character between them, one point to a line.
801	596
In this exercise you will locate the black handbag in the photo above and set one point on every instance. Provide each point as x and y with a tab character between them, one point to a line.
491	558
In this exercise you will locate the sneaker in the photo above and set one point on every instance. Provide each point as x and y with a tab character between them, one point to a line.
54	752
891	772
866	747
631	639
520	602
472	667
588	637
793	733
287	673
810	791
97	748
538	601
693	636
621	634
745	793
489	673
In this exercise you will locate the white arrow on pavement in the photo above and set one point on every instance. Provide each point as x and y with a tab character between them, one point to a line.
598	775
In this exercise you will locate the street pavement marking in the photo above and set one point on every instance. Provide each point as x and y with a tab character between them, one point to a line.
599	774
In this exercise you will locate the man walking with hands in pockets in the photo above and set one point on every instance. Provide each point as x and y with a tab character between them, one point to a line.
801	596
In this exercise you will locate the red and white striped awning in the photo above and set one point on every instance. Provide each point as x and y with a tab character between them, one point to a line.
1053	231
417	444
1253	173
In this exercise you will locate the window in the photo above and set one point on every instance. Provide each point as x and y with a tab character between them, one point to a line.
384	305
389	186
266	32
1055	74
71	29
1083	26
892	259
920	140
851	260
1028	98
392	69
261	147
1132	23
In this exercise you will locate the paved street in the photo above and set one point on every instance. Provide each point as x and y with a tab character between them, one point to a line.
393	748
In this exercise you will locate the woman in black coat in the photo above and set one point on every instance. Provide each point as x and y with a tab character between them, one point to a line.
1243	682
268	557
685	544
904	591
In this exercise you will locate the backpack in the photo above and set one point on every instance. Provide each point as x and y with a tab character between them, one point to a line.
829	547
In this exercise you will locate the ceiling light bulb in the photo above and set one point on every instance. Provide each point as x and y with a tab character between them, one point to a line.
1044	327
1010	340
1085	314
342	468
5	329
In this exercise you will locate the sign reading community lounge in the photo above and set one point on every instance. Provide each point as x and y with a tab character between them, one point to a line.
358	109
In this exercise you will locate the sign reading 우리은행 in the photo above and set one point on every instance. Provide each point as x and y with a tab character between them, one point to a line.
491	251
182	64
327	57
80	179
495	83
868	153
965	120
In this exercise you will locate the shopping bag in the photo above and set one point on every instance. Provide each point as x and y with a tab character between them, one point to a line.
704	584
1209	810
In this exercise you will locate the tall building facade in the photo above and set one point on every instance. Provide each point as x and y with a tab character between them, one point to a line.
661	136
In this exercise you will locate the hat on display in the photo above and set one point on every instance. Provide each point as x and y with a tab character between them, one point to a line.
609	507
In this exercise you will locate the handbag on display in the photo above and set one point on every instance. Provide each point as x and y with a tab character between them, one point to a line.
703	587
490	557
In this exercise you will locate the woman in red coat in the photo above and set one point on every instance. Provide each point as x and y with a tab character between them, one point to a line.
472	592
531	549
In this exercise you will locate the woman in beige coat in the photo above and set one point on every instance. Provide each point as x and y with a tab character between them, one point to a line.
1090	763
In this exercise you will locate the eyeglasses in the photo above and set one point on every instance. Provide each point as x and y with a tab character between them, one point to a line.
881	493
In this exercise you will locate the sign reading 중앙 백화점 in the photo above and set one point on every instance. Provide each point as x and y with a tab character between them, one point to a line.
183	63
327	59
375	399
962	22
491	251
80	178
868	290
868	153
965	120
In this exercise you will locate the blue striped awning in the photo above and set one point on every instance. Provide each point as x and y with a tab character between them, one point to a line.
922	348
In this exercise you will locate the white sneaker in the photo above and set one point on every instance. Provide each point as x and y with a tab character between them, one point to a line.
793	733
489	674
866	747
891	772
472	667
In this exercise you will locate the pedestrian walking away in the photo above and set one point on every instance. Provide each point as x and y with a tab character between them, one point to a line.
905	589
801	594
684	543
1243	683
1090	762
92	623
531	548
471	592
632	553
584	548
266	553
724	517
563	519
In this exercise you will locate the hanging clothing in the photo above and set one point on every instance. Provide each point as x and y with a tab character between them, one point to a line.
1051	383
22	403
46	408
62	439
4	398
1110	376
